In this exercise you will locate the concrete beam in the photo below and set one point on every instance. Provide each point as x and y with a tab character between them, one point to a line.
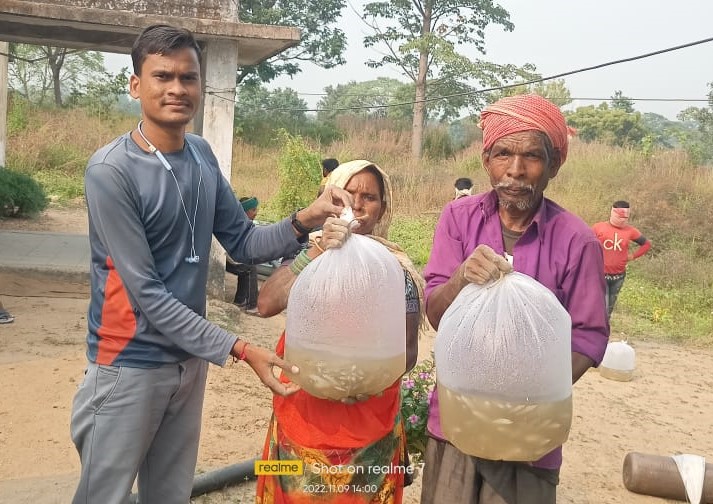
91	28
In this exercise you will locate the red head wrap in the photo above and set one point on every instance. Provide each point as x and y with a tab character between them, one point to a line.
525	113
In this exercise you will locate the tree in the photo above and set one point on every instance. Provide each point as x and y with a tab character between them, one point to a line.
621	102
421	38
259	113
103	95
38	72
608	125
700	146
555	90
322	42
365	99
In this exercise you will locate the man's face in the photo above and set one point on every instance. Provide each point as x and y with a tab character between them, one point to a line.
169	88
519	169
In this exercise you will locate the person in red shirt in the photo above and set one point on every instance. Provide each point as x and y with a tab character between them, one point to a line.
615	237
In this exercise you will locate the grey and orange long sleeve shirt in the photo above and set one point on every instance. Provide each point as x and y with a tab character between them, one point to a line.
148	304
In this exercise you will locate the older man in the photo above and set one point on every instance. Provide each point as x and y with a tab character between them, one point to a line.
525	141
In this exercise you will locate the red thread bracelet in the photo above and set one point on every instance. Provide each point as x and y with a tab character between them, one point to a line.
242	352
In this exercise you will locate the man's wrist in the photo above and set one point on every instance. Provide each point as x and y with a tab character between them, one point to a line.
307	220
238	349
301	227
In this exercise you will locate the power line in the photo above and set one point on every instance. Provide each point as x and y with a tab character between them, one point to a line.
491	89
626	98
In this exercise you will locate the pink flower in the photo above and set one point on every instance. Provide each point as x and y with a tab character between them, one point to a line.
413	419
408	383
424	376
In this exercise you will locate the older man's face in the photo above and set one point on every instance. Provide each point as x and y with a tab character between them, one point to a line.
519	169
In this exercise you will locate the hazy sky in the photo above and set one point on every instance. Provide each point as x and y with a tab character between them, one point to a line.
559	36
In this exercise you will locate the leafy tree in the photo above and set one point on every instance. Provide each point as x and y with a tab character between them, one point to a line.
101	96
608	125
322	41
555	90
666	133
366	99
40	72
700	146
703	116
421	38
282	108
621	102
260	113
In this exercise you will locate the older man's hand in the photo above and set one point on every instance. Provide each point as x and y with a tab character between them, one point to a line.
334	233
329	204
484	265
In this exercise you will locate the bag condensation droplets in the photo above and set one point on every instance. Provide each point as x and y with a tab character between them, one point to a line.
504	370
346	322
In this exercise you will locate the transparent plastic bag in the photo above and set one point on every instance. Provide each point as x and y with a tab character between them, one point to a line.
346	321
504	370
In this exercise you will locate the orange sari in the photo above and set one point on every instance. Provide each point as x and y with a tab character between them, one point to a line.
353	454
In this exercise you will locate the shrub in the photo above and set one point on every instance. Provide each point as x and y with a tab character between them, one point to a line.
20	194
17	116
416	391
300	173
437	143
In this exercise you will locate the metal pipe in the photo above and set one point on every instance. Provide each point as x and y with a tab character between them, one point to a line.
218	479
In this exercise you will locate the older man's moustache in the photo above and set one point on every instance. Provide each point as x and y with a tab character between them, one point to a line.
514	187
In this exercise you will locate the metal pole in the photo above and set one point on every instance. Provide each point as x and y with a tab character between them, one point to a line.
218	479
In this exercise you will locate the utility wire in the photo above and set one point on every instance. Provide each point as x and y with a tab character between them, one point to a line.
487	90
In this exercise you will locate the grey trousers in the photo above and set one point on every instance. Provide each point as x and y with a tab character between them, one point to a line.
452	477
128	421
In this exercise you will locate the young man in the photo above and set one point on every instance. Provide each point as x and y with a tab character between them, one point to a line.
513	227
615	237
155	196
328	166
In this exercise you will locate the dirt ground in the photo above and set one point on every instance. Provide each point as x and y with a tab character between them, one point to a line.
666	409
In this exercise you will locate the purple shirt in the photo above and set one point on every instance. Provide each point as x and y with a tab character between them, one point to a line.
558	250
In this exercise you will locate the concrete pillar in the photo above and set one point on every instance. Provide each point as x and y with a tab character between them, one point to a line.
220	67
4	49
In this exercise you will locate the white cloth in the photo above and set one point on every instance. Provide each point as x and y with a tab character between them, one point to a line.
693	471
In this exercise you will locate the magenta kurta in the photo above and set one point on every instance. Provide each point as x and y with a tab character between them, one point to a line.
558	250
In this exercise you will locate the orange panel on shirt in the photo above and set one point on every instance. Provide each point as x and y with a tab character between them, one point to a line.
118	326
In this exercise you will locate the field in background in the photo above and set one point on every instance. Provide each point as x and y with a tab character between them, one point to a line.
668	293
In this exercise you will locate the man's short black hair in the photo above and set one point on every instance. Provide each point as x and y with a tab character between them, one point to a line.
161	39
329	165
620	204
463	183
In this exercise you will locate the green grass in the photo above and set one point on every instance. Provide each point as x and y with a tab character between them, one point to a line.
415	235
682	314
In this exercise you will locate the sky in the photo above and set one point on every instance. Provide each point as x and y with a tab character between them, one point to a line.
559	36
